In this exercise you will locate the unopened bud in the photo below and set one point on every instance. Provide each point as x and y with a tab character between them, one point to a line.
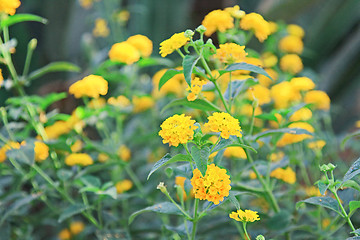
201	29
189	33
32	44
162	187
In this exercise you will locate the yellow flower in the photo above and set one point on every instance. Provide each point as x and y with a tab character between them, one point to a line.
120	101
124	153
291	44
265	81
1	77
77	146
245	216
289	138
143	103
175	42
103	157
259	92
9	6
258	24
124	52
247	110
319	98
302	83
90	86
123	16
143	44
273	27
236	152
101	29
214	186
81	159
64	234
303	114
57	129
317	145
209	95
195	89
291	63
287	175
8	146
41	151
76	227
177	129
123	186
235	11
86	4
325	223
312	191
275	157
230	53
357	124
217	20
283	94
225	124
269	59
97	103
295	30
175	85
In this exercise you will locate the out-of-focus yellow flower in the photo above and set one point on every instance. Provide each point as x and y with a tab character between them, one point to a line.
209	95
90	86
289	138
76	227
277	156
264	80
143	103
64	234
291	44
142	43
62	127
175	42
120	101
124	52
124	153
252	175
249	60
123	16
269	59
245	216
225	124
1	77
357	124
247	110
236	152
103	157
195	89
175	85
295	30
180	181
41	151
9	6
302	83
97	103
312	191
287	175
273	27
214	186
276	124
81	159
259	92
303	114
177	129
325	223
317	145
123	186
230	53
258	24
319	98
291	63
101	28
8	146
217	20
235	11
77	146
283	94
86	4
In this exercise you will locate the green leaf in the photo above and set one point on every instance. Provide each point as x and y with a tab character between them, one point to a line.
326	202
108	192
236	87
245	66
168	159
357	231
353	171
224	143
54	67
354	238
164	207
351	184
322	187
25	154
51	98
90	181
168	75
58	145
64	174
154	61
267	116
234	200
196	104
282	130
189	63
18	18
201	157
279	221
348	137
353	205
71	211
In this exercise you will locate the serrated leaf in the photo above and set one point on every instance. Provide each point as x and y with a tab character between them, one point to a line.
189	63
170	73
245	66
196	104
326	202
353	205
168	159
201	157
224	143
353	171
71	211
18	18
164	207
54	67
282	130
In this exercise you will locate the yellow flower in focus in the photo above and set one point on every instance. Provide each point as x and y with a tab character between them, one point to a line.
142	43
76	227
258	24
259	92
264	80
230	53
235	152
41	151
77	146
225	124
124	153
317	145
287	175
275	157
291	63
143	103
245	216
283	94
195	89
97	103
120	101
217	20
312	191
9	6
64	234
177	129
175	42
123	186
101	29
291	44
214	186
103	157
289	138
81	159
269	59
90	86
124	52
247	110
295	30
302	83
235	11
303	114
319	98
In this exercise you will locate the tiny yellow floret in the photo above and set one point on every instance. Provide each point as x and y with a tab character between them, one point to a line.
230	53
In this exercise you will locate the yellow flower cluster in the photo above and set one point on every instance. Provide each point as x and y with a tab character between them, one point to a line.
41	151
195	89
291	44
142	43
230	53
275	157
289	138
291	63
180	181
287	175
177	129
9	6
120	101
6	147
97	103
74	229
319	98
214	186
317	145
259	92
217	20
142	103
225	124
175	85
123	186
244	216
90	86
62	127
302	83
283	94
124	153
1	77
175	42
81	159
295	30
303	114
258	24
312	191
124	52
101	29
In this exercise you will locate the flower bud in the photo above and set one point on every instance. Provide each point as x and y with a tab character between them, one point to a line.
201	29
189	33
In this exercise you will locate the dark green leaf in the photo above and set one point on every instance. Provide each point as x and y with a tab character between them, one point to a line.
245	66
58	145
279	221
147	62
201	157
322	187
189	63
90	181
167	76
351	184
353	171
326	202
168	159
224	143
17	18
353	205
282	130
348	137
54	67
197	104
71	211
236	87
64	174
164	207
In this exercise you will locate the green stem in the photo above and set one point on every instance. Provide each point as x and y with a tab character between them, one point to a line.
246	233
135	179
180	53
222	97
195	219
188	152
346	216
177	205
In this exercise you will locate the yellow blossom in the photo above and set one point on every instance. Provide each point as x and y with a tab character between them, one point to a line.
260	93
287	175
142	43
235	11
124	153
41	151
8	146
1	77
247	110
273	27
175	42
77	146
302	83
101	29
236	152
289	138
357	124
196	86
295	30
124	52
103	157
180	181
217	20
325	223
76	227
214	186
245	216
269	59
283	94
209	95
291	63
275	157
175	85
87	4
230	53
264	80
120	101
319	98
303	114
312	191
9	6
123	16
81	159
291	44
142	103
258	24
123	186
177	129
90	86
97	103
225	124
64	234
317	145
